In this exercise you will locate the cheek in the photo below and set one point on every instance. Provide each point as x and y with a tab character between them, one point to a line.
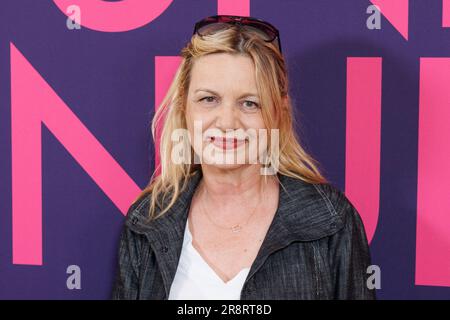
192	114
255	121
196	113
195	117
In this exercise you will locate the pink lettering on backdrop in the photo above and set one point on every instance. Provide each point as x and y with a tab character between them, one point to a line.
165	69
446	13
34	102
396	12
115	16
234	7
433	185
363	135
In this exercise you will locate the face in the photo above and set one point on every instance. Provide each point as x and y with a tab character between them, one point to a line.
223	111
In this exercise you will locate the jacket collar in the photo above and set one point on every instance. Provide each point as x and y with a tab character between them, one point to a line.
303	214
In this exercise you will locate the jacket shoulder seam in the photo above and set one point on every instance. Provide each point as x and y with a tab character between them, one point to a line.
139	204
329	204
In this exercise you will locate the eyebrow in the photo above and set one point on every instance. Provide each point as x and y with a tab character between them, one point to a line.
247	94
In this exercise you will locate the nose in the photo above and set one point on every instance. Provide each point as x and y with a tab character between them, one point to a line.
227	117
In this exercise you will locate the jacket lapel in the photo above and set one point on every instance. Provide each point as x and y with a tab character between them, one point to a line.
165	234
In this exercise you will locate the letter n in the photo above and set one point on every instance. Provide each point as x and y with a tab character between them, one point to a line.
34	102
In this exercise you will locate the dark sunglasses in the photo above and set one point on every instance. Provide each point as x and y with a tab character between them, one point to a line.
213	24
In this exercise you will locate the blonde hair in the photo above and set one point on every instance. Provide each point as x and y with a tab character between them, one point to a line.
272	84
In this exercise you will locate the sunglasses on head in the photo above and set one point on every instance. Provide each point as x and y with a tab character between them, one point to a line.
213	24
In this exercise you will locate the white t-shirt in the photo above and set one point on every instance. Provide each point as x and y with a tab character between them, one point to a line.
195	279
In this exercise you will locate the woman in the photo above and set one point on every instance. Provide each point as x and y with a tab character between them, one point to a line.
211	227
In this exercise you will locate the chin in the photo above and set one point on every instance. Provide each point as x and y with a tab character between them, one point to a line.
232	166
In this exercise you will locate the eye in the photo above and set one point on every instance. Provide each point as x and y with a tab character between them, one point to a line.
208	99
250	105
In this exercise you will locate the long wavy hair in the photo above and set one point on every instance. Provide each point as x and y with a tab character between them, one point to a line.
272	84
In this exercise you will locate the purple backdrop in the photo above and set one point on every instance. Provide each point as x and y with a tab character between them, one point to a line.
108	80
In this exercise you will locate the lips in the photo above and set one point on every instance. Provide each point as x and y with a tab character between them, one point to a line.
226	143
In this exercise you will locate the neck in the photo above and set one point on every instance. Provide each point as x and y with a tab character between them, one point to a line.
228	189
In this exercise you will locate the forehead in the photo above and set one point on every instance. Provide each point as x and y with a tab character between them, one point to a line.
223	72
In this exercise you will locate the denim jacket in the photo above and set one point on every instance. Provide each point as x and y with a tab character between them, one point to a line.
315	248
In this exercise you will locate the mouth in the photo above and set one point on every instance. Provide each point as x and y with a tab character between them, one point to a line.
226	143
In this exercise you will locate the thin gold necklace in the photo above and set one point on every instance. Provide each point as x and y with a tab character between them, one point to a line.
237	227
